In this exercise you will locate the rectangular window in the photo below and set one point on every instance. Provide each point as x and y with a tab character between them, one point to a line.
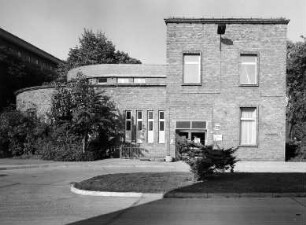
139	131
128	125
123	80
248	126
248	69
192	69
150	127
161	127
102	80
139	80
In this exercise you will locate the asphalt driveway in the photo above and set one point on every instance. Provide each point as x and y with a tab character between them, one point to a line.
40	194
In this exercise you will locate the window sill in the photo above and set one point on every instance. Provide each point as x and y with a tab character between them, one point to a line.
249	146
192	84
248	85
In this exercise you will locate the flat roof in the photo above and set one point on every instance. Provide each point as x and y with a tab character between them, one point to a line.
120	70
26	45
280	20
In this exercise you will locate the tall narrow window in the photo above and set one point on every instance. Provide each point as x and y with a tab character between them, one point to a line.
248	130
192	69
128	125
150	127
248	69
139	131
161	127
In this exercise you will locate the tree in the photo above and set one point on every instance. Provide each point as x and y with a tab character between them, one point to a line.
83	112
296	85
94	49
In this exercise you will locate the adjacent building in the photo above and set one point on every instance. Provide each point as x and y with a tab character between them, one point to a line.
224	84
26	51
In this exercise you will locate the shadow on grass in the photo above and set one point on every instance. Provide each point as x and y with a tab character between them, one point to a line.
248	183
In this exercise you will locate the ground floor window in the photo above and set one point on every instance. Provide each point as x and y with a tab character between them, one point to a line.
139	127
150	126
192	130
161	127
128	125
197	136
248	126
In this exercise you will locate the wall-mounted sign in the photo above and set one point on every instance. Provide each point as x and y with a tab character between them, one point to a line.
217	126
217	137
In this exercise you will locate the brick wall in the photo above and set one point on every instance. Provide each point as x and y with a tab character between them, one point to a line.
219	97
35	98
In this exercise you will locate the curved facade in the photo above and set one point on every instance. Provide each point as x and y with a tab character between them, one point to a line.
224	84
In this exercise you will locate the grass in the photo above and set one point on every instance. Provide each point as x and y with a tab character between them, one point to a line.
182	183
137	182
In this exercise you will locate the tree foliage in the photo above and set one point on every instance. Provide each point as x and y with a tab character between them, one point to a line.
296	91
94	48
81	111
296	85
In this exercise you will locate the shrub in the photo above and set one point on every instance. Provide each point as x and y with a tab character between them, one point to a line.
17	136
205	161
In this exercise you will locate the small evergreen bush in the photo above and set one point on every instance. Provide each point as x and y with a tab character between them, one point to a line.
205	161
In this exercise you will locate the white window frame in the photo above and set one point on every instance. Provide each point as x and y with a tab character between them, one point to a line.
161	133
150	121
128	133
254	127
192	63
249	63
139	132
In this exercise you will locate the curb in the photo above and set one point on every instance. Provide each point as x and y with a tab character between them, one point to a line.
114	194
185	195
14	167
233	195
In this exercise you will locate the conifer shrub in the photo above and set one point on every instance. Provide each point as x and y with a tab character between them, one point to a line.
204	161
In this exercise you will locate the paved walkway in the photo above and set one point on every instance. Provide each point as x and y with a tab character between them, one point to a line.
241	166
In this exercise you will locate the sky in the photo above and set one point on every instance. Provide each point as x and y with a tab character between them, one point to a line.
134	26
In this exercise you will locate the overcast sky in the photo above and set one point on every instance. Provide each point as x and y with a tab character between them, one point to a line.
134	26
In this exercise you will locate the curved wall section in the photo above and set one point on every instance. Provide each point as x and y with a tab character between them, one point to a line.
37	99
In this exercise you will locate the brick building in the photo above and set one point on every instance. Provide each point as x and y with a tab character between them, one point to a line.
27	52
224	83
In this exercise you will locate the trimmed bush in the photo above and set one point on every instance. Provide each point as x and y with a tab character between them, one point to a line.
204	161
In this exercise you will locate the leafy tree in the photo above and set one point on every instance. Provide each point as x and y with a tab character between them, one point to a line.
94	48
83	112
296	85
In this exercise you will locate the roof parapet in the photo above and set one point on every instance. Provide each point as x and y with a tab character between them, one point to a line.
280	20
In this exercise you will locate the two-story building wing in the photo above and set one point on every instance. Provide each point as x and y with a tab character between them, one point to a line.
224	84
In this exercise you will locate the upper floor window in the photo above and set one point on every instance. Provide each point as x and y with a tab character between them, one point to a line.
123	80
139	80
248	69
102	80
192	69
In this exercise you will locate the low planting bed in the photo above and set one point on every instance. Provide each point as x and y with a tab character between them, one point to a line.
137	182
183	183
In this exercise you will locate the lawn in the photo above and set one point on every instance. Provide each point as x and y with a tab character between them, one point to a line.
182	183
